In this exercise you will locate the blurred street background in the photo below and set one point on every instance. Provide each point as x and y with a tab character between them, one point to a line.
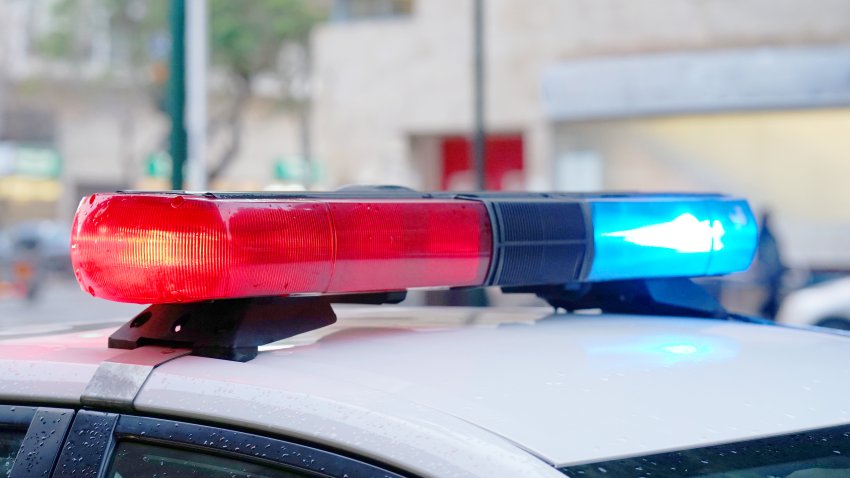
745	97
63	302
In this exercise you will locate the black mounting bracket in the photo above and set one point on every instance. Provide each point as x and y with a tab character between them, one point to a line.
233	329
669	297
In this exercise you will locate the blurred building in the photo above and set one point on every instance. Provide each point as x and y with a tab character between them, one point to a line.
69	128
748	97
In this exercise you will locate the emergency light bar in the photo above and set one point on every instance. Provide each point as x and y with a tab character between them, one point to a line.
181	247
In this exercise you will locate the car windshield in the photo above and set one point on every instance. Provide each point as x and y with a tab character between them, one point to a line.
815	454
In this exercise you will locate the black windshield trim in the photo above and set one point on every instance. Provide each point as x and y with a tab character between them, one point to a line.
768	451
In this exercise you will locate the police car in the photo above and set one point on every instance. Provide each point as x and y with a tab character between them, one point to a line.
266	351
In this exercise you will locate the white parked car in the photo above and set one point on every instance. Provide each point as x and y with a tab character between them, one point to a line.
826	304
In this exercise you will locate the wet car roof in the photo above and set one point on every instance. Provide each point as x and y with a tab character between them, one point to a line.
567	388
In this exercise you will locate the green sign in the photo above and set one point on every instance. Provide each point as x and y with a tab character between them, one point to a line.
29	161
296	169
158	165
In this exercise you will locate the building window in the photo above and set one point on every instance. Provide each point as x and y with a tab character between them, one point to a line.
347	10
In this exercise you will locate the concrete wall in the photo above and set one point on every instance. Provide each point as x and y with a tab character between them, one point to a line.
380	82
792	163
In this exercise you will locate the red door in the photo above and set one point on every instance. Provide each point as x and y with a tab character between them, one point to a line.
503	166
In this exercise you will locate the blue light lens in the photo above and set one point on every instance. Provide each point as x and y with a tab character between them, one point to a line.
740	240
671	237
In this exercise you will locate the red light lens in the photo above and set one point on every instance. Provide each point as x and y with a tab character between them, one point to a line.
158	248
398	245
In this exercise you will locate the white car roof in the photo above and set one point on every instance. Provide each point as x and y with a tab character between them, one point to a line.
416	390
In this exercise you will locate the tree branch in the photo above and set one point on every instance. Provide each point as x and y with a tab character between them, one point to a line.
234	119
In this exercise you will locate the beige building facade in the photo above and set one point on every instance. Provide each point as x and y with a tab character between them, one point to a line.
391	90
392	104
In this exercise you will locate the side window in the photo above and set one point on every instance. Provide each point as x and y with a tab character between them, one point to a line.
35	435
10	443
143	460
14	422
129	446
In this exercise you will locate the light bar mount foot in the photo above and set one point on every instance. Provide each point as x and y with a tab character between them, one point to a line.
227	329
667	297
233	329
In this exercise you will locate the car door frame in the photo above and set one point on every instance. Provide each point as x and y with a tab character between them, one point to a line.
94	436
45	430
